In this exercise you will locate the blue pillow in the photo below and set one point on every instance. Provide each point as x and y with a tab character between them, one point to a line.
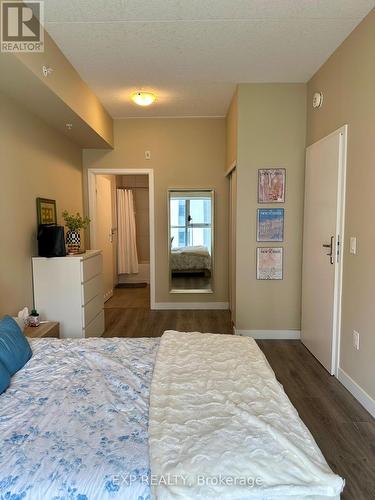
15	350
4	378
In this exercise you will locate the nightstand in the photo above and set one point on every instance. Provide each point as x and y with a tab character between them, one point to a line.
48	329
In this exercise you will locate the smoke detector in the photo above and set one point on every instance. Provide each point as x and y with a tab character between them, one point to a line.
317	100
47	71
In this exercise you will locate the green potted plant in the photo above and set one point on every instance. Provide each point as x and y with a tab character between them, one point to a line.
74	223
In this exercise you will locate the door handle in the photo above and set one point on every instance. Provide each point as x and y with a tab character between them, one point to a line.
330	246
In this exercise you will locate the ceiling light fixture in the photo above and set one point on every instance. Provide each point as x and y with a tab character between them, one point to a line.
143	98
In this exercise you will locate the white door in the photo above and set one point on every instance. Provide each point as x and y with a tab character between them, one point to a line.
322	240
104	231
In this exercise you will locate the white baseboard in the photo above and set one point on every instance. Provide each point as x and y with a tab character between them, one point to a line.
108	295
270	334
357	391
191	305
142	276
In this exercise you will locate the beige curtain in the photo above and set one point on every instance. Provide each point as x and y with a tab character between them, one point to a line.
127	244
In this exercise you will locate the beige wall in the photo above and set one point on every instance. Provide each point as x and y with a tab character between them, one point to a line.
67	84
271	133
35	162
347	81
231	131
185	153
139	183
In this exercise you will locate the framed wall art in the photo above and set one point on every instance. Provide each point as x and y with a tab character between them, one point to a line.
271	185
270	224
269	263
46	211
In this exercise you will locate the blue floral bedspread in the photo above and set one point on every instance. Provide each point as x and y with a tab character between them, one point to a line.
74	422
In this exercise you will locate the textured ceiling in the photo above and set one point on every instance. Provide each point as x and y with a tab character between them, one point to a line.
191	53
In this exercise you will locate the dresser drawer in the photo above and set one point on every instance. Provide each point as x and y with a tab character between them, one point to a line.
92	288
96	327
92	309
91	267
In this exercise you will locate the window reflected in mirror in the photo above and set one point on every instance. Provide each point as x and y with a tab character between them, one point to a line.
191	241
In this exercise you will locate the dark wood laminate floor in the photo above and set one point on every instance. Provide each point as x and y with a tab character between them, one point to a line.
145	323
190	282
129	298
342	428
128	314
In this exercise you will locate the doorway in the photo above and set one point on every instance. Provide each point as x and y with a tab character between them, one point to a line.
322	248
121	209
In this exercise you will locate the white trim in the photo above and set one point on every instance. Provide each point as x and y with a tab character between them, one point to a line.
357	391
164	117
191	305
341	202
270	334
108	295
231	167
91	173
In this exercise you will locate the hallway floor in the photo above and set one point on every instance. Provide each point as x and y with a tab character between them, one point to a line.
128	314
125	298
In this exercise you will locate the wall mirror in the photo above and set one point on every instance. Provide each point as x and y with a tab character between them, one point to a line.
191	240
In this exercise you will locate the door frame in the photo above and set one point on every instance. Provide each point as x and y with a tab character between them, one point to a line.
91	173
340	233
232	257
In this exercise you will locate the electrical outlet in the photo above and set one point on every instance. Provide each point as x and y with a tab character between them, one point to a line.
148	155
353	245
356	340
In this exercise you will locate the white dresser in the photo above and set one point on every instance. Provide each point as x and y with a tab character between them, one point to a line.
70	290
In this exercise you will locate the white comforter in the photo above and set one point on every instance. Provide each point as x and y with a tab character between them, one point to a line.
195	250
222	427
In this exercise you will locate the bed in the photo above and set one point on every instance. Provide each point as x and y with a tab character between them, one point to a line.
73	423
107	418
190	259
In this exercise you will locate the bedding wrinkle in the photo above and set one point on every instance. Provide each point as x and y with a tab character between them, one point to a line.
239	423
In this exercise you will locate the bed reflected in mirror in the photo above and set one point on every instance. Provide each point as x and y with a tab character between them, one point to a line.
191	240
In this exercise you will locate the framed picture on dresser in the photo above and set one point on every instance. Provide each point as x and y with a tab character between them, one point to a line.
46	211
